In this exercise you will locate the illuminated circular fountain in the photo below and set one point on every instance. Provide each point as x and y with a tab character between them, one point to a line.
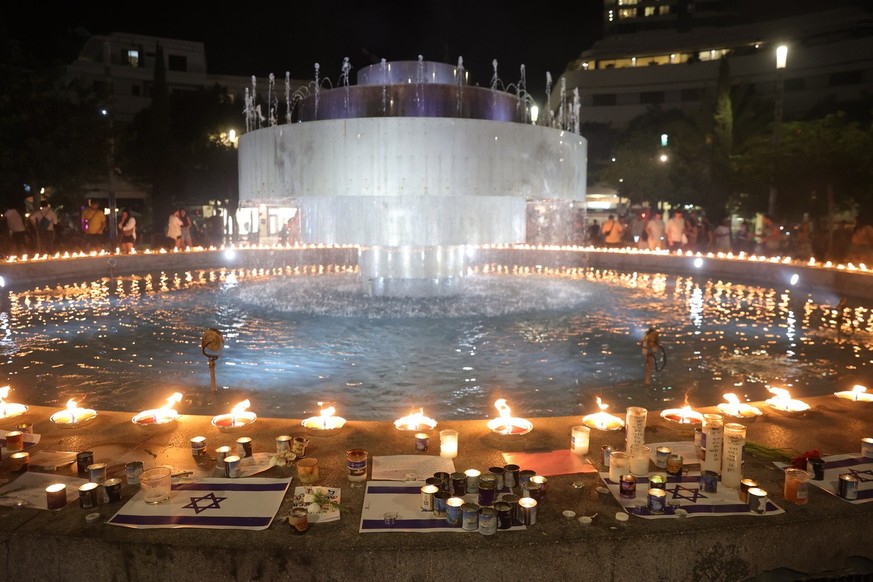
413	165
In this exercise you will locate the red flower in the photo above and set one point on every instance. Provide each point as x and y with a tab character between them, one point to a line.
799	462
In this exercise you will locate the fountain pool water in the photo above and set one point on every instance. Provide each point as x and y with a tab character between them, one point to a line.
548	343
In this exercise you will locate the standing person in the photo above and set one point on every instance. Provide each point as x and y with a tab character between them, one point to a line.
675	232
803	240
691	232
770	237
127	227
861	246
44	221
17	233
215	228
186	241
745	241
94	225
722	237
174	229
655	231
612	231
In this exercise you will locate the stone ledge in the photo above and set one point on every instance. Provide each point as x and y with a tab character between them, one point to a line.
818	537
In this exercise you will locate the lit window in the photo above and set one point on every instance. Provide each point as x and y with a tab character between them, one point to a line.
133	58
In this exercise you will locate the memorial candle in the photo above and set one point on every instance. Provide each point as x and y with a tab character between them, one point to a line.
732	460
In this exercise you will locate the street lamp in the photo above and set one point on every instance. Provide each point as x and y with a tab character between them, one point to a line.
534	114
781	61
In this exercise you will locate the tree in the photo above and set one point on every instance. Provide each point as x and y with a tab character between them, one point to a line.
50	133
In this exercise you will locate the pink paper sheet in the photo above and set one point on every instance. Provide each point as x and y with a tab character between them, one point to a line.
561	462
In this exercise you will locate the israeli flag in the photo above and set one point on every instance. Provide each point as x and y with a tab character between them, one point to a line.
209	503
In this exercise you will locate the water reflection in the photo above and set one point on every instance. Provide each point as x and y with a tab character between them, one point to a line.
546	339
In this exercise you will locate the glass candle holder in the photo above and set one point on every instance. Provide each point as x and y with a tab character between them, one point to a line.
796	486
639	459
448	444
732	457
635	426
619	464
307	470
580	438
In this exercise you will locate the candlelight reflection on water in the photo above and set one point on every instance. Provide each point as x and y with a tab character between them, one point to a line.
547	339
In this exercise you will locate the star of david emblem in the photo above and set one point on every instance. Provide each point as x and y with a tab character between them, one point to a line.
691	494
859	473
214	503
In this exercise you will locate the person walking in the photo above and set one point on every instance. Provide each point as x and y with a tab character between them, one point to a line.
94	225
174	229
187	224
127	227
675	232
44	221
655	231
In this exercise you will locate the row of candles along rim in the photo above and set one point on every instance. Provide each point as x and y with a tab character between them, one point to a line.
74	415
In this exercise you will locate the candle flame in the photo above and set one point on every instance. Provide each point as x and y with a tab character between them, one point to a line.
732	399
414	420
4	392
241	407
857	389
172	401
327	412
601	405
503	408
782	400
71	404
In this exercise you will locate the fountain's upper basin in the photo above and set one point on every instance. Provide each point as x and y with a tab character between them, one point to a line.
412	100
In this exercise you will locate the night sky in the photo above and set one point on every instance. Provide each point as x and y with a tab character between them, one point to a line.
259	38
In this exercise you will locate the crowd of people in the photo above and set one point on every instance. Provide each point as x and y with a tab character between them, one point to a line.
691	231
44	231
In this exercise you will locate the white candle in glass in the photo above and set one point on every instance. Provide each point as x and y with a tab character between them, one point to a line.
713	434
635	426
619	464
639	459
732	460
448	444
580	439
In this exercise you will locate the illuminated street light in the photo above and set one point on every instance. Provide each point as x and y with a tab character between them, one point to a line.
534	114
781	62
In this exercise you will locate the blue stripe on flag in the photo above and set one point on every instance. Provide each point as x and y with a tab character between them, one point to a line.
847	463
190	520
242	486
407	524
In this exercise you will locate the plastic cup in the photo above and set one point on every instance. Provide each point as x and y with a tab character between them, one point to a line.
156	484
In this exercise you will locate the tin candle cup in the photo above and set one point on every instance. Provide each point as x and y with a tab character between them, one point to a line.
19	462
113	489
56	496
298	520
356	463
